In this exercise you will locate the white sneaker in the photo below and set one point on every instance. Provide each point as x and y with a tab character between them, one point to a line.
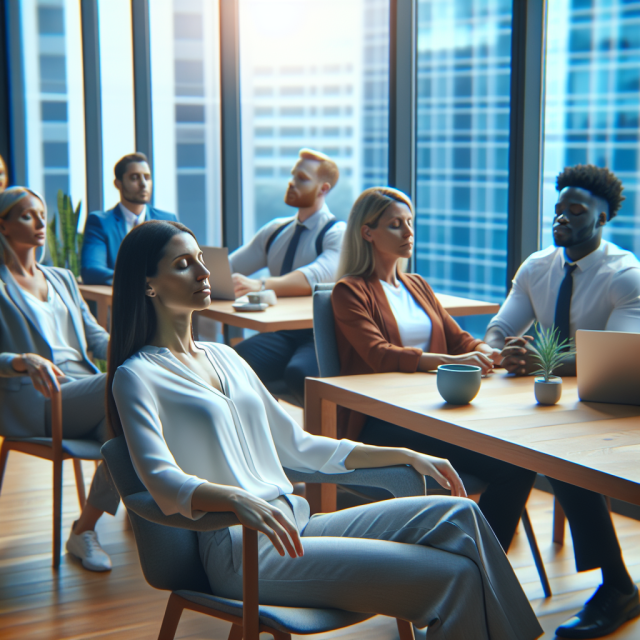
85	546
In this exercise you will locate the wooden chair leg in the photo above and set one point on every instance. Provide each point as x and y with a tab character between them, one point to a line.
608	499
235	633
535	550
172	615
57	511
558	522
4	454
77	469
405	629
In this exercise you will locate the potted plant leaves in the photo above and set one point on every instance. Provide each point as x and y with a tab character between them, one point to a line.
65	241
549	353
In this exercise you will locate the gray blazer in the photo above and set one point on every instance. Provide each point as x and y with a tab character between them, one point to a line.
21	406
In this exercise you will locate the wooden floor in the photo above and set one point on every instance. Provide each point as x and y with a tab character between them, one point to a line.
37	602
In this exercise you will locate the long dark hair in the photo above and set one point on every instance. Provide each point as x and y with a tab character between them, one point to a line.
133	318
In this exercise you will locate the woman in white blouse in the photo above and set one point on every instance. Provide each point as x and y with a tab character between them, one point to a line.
205	435
46	332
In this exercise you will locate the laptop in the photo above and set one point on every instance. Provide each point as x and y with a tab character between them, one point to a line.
216	259
608	367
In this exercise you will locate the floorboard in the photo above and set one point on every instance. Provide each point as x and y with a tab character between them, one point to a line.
73	604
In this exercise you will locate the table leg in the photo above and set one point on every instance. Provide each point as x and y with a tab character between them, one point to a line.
321	419
103	312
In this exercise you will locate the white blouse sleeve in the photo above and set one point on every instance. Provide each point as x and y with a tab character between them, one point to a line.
297	449
156	467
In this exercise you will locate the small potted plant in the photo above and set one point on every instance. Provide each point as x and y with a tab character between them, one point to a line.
549	353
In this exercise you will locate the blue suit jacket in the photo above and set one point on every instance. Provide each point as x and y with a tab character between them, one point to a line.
103	234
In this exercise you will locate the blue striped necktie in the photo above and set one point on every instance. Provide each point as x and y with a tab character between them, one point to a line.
287	263
563	305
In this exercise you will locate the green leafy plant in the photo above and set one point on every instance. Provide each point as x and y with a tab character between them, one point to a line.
65	243
549	352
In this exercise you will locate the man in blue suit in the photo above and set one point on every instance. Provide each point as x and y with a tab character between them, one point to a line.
105	230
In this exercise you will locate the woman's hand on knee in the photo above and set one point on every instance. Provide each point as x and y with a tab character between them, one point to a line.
43	373
258	514
441	471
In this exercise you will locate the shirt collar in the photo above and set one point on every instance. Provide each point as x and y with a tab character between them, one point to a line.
131	217
315	219
589	260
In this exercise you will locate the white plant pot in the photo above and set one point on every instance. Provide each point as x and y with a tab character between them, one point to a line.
548	392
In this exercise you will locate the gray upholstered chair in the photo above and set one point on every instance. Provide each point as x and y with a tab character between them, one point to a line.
57	450
168	550
329	365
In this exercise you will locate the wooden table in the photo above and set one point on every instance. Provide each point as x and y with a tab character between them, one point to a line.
592	445
289	313
101	295
297	313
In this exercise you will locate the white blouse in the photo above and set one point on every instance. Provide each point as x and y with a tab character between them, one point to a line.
181	432
414	324
56	325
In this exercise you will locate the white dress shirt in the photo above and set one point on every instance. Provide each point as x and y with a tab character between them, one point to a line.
606	292
131	219
317	268
56	325
181	432
413	321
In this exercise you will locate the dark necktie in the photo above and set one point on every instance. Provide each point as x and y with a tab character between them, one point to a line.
287	263
563	305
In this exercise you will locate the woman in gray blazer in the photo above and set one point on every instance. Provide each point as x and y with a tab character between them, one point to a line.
46	332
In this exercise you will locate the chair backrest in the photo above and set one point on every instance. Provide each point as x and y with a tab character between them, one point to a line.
324	333
170	557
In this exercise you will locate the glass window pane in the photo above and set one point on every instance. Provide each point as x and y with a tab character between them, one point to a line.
52	57
594	119
462	154
185	85
331	96
116	78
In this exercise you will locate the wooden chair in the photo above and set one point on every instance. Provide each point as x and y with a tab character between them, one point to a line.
57	451
170	559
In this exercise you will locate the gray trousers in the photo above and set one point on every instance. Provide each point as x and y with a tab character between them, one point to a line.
433	561
83	418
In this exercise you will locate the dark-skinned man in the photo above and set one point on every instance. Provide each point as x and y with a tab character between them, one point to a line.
583	282
299	251
105	230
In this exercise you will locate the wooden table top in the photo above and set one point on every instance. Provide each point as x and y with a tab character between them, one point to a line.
91	290
297	313
593	445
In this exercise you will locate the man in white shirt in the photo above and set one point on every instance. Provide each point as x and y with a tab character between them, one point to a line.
300	252
105	230
584	282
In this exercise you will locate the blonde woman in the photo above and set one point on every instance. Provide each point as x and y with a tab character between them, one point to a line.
45	333
389	320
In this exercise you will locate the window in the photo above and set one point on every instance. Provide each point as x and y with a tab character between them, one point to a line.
592	103
55	153
185	87
116	77
318	100
462	148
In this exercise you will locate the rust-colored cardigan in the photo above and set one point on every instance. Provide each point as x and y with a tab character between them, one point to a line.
369	339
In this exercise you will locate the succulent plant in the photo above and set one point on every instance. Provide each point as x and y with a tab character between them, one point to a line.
65	242
549	352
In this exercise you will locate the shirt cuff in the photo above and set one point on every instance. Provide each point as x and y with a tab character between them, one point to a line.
335	464
184	498
309	274
6	366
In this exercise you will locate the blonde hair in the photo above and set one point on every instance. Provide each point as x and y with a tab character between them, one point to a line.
356	257
328	169
9	198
